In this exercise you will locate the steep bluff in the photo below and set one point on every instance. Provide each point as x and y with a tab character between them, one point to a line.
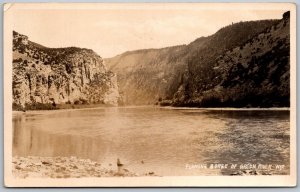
180	75
59	75
145	76
253	73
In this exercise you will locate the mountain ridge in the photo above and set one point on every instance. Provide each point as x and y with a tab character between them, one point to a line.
244	57
71	75
167	77
245	64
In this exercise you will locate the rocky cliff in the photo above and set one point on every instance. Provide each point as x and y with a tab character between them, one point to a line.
146	76
186	75
44	75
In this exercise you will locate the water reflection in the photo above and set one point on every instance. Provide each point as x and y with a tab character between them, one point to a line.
154	139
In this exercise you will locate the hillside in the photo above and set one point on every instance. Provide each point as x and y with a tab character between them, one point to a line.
144	76
53	76
253	73
180	75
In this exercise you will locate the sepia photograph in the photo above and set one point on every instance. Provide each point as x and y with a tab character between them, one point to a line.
149	94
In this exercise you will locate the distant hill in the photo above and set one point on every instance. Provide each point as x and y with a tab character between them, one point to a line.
186	75
144	76
44	75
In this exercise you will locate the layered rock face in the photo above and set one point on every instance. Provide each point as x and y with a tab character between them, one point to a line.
59	75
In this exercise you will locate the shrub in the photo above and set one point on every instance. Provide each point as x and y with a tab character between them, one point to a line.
40	106
17	60
77	102
83	101
166	103
17	107
211	101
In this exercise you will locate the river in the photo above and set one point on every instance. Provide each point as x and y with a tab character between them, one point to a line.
167	141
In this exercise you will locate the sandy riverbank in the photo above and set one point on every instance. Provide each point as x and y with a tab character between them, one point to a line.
65	167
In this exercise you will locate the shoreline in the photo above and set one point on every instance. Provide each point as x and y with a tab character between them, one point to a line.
230	108
158	107
72	167
65	167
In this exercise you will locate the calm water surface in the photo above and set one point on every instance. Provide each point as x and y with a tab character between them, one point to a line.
156	139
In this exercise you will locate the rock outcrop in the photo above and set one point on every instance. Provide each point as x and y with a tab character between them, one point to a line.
146	76
59	75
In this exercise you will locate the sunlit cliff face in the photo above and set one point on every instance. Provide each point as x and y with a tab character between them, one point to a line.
64	75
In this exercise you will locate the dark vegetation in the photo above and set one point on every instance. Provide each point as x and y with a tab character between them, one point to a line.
245	64
34	106
252	72
48	106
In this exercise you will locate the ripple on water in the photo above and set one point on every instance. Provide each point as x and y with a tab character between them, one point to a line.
165	140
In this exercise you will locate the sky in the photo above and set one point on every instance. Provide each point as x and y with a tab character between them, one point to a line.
112	30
